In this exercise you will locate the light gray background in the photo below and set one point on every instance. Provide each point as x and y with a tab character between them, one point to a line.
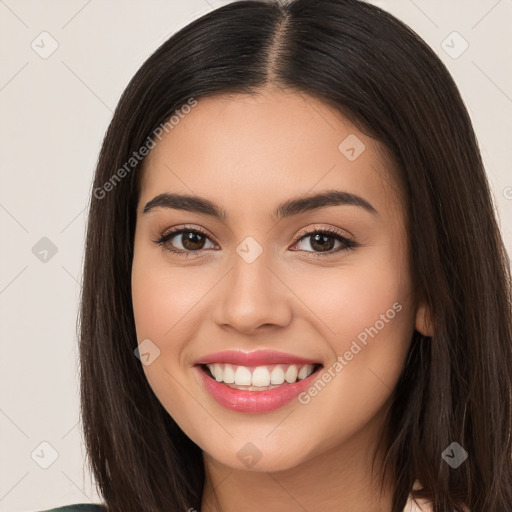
54	113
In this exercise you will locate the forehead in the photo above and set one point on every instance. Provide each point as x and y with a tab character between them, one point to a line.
259	150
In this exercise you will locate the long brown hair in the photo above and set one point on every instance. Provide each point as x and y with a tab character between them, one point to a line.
456	386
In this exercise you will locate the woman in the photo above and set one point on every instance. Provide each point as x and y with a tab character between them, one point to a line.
296	296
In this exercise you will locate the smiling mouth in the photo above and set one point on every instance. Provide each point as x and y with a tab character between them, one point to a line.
261	378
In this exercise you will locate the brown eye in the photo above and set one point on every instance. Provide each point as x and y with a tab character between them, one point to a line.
322	242
191	240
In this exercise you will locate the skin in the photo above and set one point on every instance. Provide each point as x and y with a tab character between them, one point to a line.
247	153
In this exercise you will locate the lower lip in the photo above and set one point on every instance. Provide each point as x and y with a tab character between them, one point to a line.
254	401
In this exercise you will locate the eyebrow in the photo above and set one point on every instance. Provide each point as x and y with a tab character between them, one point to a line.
288	208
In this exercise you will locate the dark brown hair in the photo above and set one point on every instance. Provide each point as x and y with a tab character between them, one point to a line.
456	385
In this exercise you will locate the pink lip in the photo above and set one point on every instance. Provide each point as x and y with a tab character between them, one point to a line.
254	401
255	358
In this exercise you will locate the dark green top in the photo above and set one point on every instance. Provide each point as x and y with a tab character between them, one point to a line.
79	507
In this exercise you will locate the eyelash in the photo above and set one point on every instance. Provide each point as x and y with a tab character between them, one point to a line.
349	244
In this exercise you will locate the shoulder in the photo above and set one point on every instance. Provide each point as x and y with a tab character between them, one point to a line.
79	507
422	505
418	505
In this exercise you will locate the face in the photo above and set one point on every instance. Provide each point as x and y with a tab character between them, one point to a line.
323	282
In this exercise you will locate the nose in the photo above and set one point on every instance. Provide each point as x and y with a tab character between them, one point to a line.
252	297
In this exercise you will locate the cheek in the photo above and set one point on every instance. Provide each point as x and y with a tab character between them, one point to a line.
163	299
363	311
353	296
164	296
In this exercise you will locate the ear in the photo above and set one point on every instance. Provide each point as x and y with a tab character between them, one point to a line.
423	323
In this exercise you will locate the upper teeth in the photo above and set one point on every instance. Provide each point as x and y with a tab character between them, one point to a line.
260	376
